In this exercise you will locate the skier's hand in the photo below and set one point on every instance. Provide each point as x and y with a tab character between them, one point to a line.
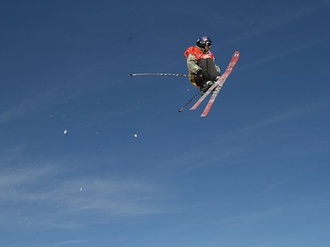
200	76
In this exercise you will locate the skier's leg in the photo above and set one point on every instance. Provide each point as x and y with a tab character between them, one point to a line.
203	64
213	73
208	68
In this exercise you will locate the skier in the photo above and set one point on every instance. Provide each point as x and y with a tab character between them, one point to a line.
203	71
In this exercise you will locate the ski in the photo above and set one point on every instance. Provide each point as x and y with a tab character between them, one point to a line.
211	101
201	99
216	87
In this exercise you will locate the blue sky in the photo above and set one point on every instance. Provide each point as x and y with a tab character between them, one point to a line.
92	157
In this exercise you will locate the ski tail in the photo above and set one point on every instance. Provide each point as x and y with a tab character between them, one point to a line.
201	99
211	101
181	109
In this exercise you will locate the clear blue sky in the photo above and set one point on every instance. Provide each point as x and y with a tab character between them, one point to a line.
92	157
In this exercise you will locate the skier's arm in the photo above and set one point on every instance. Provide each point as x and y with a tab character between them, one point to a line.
218	69
192	64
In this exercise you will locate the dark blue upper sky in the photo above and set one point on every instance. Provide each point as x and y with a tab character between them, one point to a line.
92	157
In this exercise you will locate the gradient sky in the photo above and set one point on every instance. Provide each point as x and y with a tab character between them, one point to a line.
92	157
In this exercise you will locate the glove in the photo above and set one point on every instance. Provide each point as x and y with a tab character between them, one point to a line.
200	76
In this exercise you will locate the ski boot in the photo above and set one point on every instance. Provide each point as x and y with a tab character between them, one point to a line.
206	86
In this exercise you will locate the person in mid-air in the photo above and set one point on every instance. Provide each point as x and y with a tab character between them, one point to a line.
203	71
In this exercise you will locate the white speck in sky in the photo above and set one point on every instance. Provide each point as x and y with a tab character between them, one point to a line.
65	132
135	135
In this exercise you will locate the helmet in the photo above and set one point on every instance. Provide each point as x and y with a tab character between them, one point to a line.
202	41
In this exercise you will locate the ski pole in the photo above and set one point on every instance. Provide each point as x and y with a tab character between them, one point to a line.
157	74
180	110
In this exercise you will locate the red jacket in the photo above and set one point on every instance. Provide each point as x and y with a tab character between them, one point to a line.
198	53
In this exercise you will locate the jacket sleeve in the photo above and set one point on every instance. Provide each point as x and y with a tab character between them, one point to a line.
218	69
192	64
